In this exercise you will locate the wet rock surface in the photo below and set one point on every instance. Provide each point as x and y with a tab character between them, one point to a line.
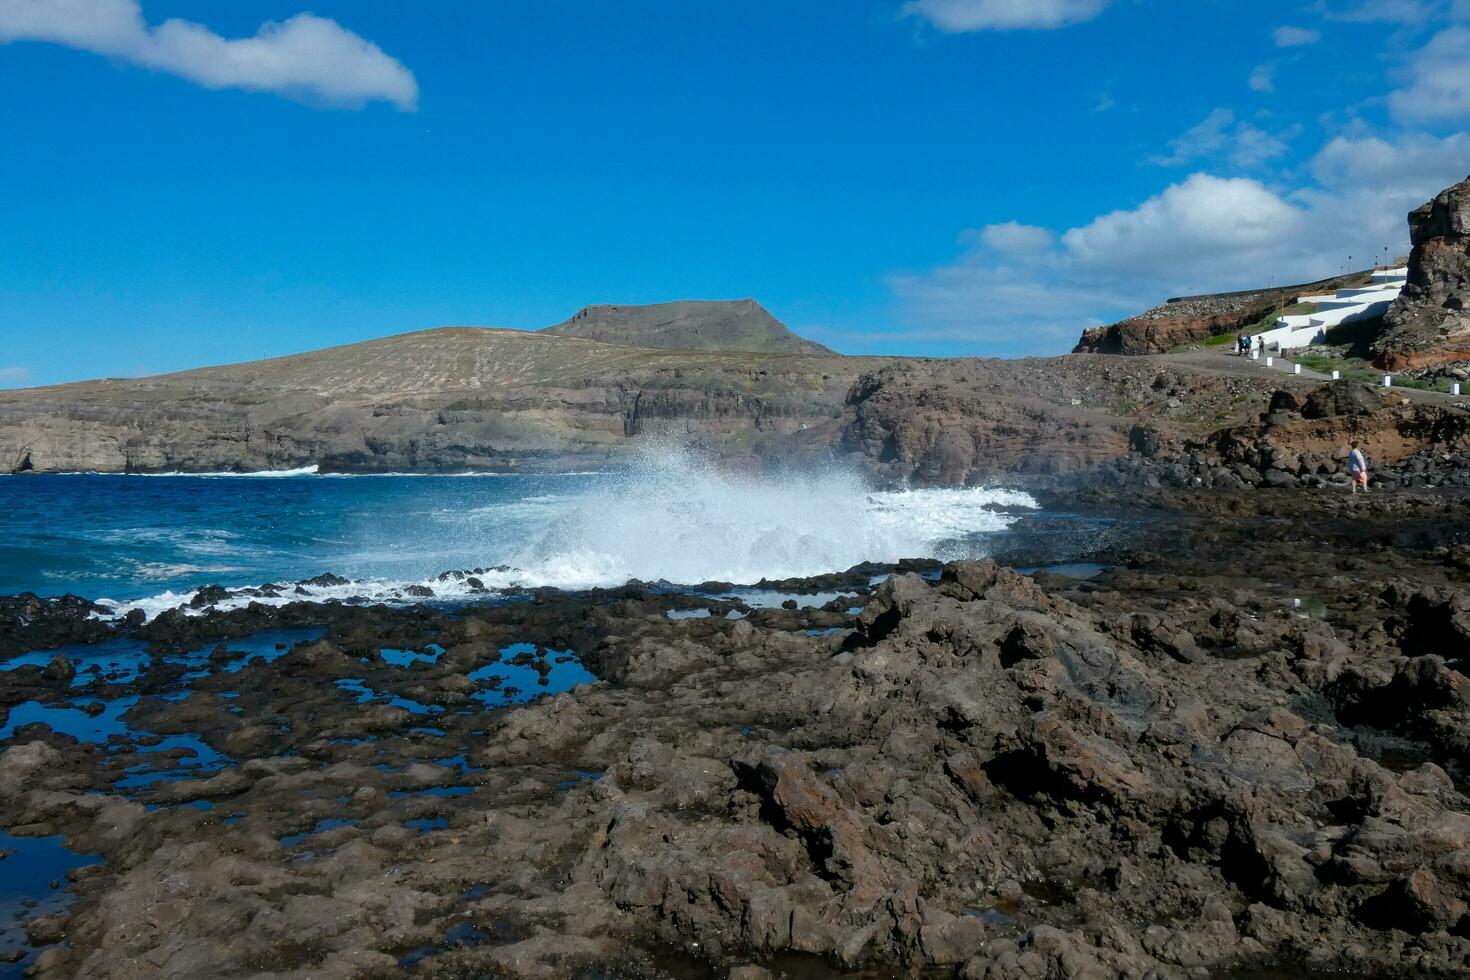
1239	747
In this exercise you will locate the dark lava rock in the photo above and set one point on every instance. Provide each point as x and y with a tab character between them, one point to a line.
1342	397
59	669
325	579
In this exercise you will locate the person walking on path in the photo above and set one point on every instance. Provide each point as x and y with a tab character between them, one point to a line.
1358	469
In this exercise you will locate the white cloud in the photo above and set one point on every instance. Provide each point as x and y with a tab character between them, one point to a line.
1203	234
1220	136
14	376
1296	37
1409	165
1014	237
957	16
1263	79
305	57
1200	219
1439	74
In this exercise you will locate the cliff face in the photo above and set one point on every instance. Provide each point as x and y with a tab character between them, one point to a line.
1192	319
440	400
1429	323
503	400
737	325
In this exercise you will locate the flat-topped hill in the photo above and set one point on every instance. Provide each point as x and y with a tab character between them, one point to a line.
709	325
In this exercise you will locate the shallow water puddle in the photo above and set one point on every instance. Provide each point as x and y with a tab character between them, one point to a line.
425	824
400	794
515	677
74	721
407	658
267	646
365	694
199	760
582	776
322	826
772	599
115	661
461	935
28	866
1079	570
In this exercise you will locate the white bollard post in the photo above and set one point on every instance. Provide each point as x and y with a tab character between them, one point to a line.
1296	369
1255	355
1270	361
1388	381
1336	375
1455	388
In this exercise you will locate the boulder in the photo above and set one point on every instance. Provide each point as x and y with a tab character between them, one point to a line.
1341	398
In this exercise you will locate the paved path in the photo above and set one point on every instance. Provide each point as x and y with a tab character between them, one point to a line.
1221	361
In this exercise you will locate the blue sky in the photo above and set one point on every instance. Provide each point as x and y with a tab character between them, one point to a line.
188	183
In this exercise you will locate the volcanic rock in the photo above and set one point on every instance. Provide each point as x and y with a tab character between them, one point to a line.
1430	321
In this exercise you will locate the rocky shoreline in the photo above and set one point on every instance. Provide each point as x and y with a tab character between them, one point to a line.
1238	747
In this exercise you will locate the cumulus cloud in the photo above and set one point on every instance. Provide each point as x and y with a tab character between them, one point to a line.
1296	37
1220	136
1202	234
1014	237
1439	80
305	57
1263	79
957	16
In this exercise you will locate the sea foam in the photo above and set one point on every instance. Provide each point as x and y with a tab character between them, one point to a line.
674	517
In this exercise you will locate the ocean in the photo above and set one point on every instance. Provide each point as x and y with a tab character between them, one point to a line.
151	542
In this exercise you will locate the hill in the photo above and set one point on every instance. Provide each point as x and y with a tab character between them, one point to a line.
1191	319
728	325
464	398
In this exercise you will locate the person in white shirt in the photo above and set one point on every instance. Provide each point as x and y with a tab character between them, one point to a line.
1358	469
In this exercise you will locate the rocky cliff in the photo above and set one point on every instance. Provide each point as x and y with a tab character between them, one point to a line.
737	325
504	400
1192	319
1429	323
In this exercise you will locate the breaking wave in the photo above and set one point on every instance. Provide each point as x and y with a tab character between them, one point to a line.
671	517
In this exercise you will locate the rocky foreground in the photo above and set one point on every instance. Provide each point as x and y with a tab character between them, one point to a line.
1242	749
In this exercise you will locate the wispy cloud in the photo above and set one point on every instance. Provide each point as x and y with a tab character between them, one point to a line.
14	377
1295	37
1220	136
1263	79
306	57
1379	11
958	16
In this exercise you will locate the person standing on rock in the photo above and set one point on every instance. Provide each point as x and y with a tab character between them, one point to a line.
1358	469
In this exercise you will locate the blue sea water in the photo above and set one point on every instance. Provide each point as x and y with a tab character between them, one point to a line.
127	537
150	541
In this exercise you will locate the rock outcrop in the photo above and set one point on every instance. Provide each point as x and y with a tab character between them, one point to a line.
1169	770
734	325
505	400
1192	319
1429	323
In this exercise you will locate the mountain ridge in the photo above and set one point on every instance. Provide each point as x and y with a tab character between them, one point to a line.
729	325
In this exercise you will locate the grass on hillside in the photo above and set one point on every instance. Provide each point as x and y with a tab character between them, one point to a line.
1260	326
1357	369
